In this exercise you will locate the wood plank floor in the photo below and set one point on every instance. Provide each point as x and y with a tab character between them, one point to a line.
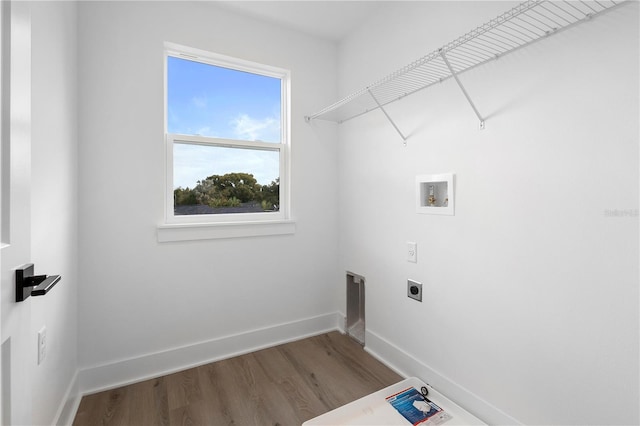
284	385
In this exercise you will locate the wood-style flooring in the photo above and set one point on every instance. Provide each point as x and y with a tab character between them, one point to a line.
284	385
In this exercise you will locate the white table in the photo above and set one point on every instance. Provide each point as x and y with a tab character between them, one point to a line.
374	409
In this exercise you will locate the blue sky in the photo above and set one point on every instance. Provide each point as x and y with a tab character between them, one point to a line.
207	100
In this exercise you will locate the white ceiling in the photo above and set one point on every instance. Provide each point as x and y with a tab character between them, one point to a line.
331	20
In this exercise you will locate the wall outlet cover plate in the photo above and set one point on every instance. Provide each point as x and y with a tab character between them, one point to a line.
414	290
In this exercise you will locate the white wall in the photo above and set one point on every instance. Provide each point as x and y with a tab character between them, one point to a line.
139	297
530	309
54	202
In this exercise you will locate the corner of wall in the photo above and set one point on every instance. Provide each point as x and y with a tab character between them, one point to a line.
71	402
407	365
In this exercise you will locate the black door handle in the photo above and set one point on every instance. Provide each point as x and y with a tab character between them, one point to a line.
28	284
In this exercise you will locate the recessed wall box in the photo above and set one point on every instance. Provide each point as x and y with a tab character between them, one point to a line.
355	324
434	194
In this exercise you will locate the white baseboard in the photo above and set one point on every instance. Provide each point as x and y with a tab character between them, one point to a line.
133	370
408	366
67	411
104	377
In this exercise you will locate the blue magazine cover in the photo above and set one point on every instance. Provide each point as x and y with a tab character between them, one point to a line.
417	409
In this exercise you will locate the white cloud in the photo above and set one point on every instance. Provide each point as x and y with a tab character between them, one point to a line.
267	129
199	102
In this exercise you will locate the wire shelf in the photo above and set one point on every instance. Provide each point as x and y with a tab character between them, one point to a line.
524	24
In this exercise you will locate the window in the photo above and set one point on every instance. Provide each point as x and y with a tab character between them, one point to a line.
227	140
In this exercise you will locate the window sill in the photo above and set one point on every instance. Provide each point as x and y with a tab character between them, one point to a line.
212	231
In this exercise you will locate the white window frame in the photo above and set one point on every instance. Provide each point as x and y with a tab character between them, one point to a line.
195	227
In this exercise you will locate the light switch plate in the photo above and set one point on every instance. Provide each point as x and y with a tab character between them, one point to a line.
412	252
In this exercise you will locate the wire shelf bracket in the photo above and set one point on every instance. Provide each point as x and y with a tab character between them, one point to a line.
384	111
520	26
464	91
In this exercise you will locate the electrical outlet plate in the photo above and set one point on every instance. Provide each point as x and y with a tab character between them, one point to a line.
412	252
42	345
414	290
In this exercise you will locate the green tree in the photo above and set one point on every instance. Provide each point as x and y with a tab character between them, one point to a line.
242	186
184	197
269	195
230	190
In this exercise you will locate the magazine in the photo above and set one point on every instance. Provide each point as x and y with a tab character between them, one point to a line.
417	409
